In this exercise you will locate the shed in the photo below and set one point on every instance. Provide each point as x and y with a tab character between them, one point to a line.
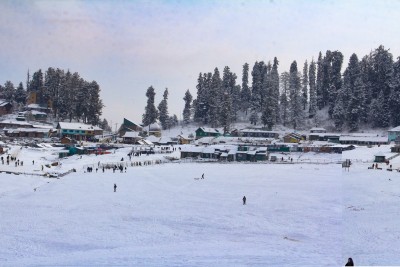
380	157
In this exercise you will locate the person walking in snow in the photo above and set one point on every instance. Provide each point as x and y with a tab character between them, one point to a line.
115	187
350	262
244	200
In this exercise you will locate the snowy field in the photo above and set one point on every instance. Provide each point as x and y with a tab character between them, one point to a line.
296	214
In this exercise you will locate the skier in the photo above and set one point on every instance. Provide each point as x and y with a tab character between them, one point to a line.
115	187
350	262
202	176
244	200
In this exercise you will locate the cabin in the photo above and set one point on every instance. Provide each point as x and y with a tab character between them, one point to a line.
363	139
317	130
278	147
27	132
257	133
5	107
129	126
395	149
394	134
78	131
37	107
191	151
67	141
153	129
293	138
131	137
206	132
380	157
184	140
13	124
329	137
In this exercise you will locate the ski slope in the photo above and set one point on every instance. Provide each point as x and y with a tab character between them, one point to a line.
296	214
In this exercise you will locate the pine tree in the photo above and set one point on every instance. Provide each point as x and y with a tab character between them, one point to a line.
151	114
20	94
105	126
256	88
394	101
296	110
201	105
275	91
320	77
188	109
94	104
326	78
9	91
336	79
229	87
339	111
284	103
254	117
313	92
379	111
214	99
382	70
163	111
245	93
173	121
304	84
353	85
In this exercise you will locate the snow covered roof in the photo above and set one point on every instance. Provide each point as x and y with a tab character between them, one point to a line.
209	130
208	150
77	126
153	127
165	140
26	130
317	129
153	139
131	135
256	131
15	122
380	154
4	103
192	149
364	138
147	142
395	129
205	140
326	134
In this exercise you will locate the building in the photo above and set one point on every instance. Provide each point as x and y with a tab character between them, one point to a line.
184	140
293	138
330	137
13	124
205	132
255	133
131	137
5	107
363	139
129	126
317	130
394	134
78	131
153	129
28	132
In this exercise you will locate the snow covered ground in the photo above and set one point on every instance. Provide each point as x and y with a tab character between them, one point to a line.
296	214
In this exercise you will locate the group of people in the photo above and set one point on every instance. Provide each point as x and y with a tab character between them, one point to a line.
11	158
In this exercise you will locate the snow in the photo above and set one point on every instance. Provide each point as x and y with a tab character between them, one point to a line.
300	214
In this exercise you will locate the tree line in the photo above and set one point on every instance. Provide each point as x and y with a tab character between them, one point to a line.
69	96
366	92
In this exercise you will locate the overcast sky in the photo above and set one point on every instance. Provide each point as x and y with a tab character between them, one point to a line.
126	46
